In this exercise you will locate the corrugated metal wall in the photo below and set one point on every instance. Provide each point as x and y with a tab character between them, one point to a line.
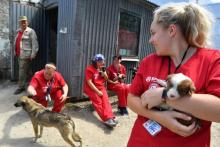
99	33
66	52
100	28
36	17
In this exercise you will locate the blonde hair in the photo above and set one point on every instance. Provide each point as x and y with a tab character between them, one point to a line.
195	21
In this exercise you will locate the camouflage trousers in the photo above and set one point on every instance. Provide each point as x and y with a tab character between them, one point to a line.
25	72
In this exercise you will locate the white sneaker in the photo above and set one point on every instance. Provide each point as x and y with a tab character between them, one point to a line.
110	122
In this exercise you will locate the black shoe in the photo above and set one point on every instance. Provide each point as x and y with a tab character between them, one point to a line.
120	110
125	111
18	91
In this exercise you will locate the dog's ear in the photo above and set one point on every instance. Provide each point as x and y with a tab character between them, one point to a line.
30	96
19	104
23	104
185	88
192	89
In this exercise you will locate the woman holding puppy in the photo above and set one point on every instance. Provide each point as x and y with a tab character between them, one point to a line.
180	33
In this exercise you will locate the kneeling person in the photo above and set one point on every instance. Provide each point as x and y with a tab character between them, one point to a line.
48	84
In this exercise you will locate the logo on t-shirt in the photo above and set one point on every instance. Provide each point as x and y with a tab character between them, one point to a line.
96	75
154	82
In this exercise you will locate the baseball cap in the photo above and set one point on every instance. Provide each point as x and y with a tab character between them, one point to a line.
22	18
98	57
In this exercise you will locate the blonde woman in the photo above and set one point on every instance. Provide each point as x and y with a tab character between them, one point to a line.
180	33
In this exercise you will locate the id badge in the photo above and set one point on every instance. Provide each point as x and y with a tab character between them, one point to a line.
152	127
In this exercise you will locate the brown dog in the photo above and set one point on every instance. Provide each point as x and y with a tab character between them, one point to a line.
39	115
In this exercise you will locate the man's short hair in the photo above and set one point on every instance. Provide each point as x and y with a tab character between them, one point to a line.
51	65
117	57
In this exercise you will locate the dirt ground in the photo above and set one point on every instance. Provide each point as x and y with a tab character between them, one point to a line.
16	129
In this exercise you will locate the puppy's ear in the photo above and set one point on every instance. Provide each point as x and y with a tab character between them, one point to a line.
192	89
185	88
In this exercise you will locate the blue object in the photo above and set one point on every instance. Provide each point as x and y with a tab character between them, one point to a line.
98	57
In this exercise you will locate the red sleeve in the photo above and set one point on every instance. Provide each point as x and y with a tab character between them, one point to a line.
213	81
110	73
89	74
61	80
123	70
34	81
136	87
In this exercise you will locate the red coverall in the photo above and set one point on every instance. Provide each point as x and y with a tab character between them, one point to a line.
101	104
121	89
41	84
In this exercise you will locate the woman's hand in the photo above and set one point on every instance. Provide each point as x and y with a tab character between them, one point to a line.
169	120
100	93
152	97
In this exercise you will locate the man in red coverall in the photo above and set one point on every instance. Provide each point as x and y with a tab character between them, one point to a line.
116	78
48	84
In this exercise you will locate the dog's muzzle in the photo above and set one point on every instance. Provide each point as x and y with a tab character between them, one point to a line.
19	104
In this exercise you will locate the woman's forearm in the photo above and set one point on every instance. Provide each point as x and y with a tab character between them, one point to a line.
134	103
203	106
92	86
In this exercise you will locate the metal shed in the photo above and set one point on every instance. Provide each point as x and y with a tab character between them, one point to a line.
78	29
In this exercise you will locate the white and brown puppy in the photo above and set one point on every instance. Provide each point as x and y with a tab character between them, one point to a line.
179	85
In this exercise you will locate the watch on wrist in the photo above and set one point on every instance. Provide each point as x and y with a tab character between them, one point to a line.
164	95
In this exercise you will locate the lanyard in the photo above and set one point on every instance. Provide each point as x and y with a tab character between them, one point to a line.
184	55
50	87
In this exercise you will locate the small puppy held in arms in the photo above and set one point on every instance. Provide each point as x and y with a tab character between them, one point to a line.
176	86
42	117
179	85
